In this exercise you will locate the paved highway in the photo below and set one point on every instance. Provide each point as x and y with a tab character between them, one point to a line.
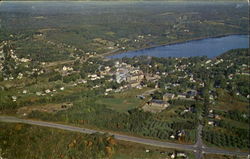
198	148
199	144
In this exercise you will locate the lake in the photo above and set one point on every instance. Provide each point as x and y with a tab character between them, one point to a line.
210	47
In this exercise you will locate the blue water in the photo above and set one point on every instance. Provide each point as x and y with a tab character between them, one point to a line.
210	47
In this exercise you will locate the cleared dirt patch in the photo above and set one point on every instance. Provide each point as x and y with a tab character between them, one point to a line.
49	108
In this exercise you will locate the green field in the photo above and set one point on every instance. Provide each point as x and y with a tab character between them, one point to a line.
124	101
228	102
209	156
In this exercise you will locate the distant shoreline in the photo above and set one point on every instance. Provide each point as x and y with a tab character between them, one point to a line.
173	43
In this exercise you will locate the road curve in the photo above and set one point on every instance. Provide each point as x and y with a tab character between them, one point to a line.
123	137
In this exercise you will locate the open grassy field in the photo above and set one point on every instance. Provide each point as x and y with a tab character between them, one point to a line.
227	102
209	156
123	101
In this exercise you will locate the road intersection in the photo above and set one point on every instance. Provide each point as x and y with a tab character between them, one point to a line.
198	148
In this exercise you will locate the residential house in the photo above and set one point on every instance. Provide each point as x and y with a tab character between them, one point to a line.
192	93
155	106
168	96
158	103
181	96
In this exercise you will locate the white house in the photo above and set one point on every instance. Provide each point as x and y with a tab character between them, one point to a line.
47	91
